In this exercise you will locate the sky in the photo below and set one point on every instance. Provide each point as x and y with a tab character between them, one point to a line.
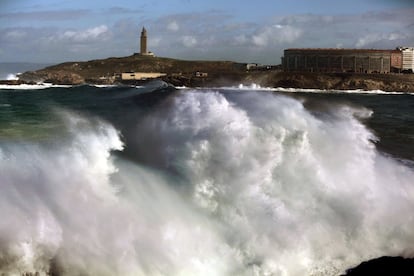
53	31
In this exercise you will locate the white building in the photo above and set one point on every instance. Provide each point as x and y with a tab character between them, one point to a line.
141	76
407	58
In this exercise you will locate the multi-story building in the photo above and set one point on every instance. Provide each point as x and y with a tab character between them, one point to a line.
407	59
342	60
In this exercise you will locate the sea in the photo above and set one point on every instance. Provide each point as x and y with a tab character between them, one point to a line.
163	180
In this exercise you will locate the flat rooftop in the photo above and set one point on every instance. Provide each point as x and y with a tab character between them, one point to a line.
342	50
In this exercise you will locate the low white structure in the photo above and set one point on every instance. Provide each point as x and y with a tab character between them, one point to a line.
141	76
250	66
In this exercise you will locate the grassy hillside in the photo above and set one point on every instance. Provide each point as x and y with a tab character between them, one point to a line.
94	70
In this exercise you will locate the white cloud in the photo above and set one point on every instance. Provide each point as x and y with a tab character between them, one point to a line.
209	35
15	34
99	32
189	41
154	41
377	37
241	39
173	26
276	34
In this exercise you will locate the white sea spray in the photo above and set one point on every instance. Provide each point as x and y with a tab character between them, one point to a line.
264	187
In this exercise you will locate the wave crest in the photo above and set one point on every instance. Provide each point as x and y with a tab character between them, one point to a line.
245	183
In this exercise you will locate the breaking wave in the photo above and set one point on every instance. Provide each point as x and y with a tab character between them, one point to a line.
257	87
32	86
244	184
12	76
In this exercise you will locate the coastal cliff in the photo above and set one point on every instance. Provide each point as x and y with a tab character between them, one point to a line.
218	73
345	81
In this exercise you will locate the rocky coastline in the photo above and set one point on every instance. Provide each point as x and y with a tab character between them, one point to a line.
215	73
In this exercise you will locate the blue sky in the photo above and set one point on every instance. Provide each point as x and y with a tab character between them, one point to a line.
247	31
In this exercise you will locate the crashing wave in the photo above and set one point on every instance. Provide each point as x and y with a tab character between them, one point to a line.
250	184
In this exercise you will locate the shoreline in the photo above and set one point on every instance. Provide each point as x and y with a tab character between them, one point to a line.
193	73
18	84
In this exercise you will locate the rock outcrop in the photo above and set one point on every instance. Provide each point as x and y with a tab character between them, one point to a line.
384	266
52	76
384	82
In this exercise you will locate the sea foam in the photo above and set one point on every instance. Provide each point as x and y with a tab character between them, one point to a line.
251	184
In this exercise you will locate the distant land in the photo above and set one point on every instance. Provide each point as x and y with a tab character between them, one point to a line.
209	74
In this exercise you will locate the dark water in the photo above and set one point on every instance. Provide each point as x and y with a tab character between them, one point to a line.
392	119
160	181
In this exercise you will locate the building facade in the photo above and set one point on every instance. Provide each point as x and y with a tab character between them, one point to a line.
341	60
407	59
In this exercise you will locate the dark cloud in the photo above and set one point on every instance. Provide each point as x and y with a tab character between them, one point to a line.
394	3
399	17
57	15
122	10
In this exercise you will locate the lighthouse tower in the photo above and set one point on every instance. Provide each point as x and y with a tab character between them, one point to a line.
143	43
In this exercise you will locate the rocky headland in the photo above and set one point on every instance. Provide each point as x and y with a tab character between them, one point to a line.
214	73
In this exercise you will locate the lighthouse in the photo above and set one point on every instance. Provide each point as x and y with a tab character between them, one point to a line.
143	43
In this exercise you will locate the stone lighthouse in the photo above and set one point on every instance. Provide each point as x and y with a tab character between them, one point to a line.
143	44
143	50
